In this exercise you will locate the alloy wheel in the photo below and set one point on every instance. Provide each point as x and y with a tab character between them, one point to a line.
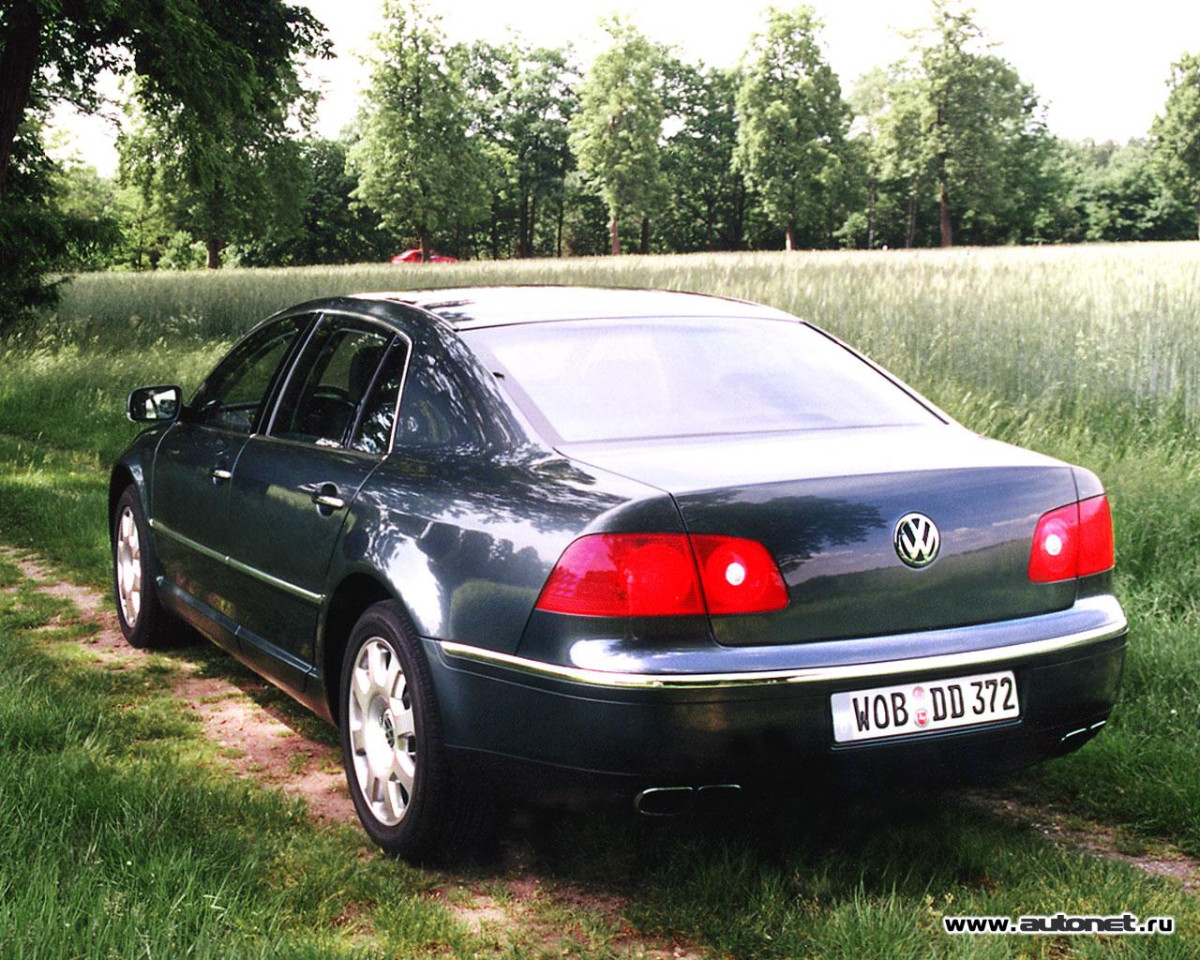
129	567
383	735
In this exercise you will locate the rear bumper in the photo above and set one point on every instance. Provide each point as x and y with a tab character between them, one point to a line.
635	729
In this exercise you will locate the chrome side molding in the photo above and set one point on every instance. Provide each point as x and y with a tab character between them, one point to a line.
316	598
839	672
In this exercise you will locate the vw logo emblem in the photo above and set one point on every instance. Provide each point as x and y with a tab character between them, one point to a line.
917	540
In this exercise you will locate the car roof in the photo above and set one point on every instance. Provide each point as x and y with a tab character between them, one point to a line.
467	308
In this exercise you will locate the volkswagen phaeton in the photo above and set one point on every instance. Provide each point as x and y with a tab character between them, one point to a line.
565	540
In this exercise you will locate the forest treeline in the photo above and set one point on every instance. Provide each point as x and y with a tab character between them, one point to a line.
489	150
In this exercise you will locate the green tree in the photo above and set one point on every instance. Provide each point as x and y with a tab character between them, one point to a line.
33	235
225	182
1113	192
793	124
982	137
708	197
209	62
211	59
418	167
957	147
92	202
615	132
870	100
1176	134
332	227
523	100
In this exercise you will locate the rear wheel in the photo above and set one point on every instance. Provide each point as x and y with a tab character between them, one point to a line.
142	618
409	800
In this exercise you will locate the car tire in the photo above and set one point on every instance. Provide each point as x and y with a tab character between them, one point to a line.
407	796
143	620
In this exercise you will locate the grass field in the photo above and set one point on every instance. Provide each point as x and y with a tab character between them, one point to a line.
1091	354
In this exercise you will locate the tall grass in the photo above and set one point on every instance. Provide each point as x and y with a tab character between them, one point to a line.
1099	323
1091	354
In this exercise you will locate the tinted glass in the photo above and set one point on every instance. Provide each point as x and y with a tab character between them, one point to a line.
232	396
440	408
331	380
613	379
374	431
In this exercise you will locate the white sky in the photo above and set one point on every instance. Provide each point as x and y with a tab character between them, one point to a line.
1099	66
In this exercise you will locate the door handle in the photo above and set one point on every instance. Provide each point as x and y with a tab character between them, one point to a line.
220	473
326	497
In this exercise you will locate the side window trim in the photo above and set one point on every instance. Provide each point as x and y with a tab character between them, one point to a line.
406	340
279	389
282	372
283	376
370	392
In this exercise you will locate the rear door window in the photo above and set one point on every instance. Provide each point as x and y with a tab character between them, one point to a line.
331	382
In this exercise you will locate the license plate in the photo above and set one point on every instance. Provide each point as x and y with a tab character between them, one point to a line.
924	707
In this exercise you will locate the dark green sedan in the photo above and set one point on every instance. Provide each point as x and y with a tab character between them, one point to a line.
565	541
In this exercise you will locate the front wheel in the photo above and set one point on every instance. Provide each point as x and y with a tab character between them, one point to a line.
407	797
143	620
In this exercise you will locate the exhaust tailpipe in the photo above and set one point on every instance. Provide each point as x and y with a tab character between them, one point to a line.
673	801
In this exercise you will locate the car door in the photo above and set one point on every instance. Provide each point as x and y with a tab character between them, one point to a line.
293	486
195	461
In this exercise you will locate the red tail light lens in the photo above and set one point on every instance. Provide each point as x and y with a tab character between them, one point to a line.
1072	541
739	576
624	575
663	574
1096	551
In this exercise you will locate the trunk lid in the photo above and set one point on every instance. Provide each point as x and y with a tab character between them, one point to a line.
826	504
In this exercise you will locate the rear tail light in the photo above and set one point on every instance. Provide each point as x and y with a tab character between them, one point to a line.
663	574
1072	541
738	576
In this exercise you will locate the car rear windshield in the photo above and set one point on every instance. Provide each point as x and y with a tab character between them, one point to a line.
628	379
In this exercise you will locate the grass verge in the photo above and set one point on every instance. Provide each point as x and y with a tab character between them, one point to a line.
128	839
1087	355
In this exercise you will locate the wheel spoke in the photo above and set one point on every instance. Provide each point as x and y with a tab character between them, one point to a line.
360	693
397	796
406	725
381	732
403	769
129	567
377	658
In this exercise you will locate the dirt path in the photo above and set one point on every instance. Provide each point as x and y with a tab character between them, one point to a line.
256	742
1061	827
522	909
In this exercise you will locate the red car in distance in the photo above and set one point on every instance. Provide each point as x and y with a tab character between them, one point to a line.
414	256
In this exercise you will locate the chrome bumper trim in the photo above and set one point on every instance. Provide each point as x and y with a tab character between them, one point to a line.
856	671
159	527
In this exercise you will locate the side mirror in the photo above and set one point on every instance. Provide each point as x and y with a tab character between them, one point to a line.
154	404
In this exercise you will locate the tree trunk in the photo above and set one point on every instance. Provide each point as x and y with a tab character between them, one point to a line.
423	246
523	226
615	235
944	210
645	246
871	195
910	235
558	229
943	203
18	64
1198	220
214	248
790	239
532	226
738	234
